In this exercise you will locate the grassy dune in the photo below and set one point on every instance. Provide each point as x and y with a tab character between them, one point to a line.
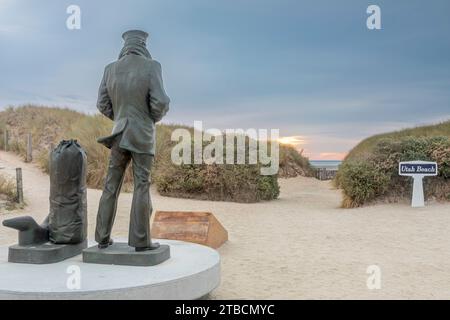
240	183
365	148
370	171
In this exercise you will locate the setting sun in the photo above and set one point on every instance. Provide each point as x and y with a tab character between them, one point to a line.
293	140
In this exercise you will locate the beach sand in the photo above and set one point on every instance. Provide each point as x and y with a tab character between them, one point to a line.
301	246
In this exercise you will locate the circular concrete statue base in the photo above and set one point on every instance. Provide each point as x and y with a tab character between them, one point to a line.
191	272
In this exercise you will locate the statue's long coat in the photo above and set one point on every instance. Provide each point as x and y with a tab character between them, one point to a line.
132	94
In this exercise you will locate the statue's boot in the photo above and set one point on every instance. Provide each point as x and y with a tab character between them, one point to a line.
29	231
152	246
106	244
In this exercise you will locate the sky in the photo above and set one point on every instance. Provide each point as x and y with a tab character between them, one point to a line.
309	68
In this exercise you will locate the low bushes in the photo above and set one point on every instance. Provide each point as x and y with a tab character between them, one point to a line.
361	182
375	176
221	182
240	183
8	193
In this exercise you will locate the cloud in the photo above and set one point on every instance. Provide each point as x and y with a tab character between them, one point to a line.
310	69
292	140
10	29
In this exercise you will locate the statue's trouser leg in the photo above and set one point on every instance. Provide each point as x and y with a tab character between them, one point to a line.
118	162
141	207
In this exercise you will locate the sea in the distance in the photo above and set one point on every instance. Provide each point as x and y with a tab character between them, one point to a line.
328	164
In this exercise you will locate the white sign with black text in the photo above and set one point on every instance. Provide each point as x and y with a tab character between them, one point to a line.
418	170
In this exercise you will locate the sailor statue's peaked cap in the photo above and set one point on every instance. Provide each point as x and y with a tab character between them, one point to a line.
135	36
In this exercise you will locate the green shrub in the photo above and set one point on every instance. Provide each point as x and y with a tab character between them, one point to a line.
365	147
241	183
375	176
361	182
220	182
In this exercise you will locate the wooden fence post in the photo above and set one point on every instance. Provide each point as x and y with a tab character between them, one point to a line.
29	156
19	184
5	137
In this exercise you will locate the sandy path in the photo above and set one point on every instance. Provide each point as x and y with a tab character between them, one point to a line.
301	246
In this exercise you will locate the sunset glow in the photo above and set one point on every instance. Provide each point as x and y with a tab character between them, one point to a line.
293	141
332	156
305	145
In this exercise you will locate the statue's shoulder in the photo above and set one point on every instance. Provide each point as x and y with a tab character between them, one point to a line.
109	66
155	64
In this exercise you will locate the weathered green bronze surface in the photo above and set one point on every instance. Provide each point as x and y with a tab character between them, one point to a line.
132	95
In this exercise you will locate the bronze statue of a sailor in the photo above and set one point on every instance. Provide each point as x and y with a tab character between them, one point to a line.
132	95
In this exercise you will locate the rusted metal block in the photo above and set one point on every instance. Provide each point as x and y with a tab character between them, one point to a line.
198	227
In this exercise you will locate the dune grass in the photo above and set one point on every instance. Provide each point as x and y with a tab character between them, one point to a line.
365	148
8	193
7	187
370	171
241	183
